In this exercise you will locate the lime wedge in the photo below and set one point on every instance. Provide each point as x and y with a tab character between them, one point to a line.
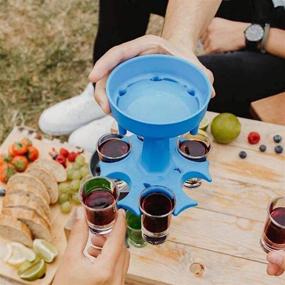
45	249
204	124
20	253
27	264
34	272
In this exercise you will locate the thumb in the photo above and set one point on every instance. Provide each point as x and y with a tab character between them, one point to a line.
277	257
79	234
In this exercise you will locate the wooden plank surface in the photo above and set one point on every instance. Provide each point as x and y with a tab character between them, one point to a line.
223	232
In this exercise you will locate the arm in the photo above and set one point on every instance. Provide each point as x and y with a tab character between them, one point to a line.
276	42
185	20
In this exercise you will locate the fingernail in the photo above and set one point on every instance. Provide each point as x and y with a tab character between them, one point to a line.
276	258
79	213
123	213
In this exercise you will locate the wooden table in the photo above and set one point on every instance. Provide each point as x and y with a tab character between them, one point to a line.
223	232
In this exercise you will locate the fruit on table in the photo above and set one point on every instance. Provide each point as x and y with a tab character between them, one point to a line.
19	254
25	141
278	149
7	170
65	207
33	153
75	199
34	272
20	162
63	198
19	148
64	152
225	128
253	137
80	160
72	156
61	160
45	249
277	138
262	148
242	154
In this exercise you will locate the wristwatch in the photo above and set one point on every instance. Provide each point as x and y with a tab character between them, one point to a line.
256	36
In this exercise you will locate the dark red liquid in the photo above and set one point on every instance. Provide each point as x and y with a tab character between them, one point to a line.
100	199
114	148
273	232
156	204
194	148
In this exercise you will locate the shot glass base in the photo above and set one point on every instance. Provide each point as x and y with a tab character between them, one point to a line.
268	248
134	244
103	231
154	240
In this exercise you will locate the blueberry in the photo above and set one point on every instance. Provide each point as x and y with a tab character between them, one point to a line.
262	148
242	154
277	138
278	149
2	192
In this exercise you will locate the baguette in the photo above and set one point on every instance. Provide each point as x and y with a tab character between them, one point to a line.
29	180
47	178
22	202
38	226
52	167
30	193
14	230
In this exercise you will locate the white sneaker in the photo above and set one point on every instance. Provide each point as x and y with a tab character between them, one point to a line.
69	115
87	136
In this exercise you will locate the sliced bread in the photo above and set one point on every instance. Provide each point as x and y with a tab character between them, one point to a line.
38	226
22	202
30	181
52	166
14	230
27	193
47	179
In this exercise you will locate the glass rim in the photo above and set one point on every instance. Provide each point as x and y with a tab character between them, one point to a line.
206	142
269	213
113	187
166	190
116	137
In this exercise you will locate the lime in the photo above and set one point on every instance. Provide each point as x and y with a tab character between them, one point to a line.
34	272
45	249
204	124
20	253
225	128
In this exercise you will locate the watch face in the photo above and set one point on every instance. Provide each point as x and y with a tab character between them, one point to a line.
254	33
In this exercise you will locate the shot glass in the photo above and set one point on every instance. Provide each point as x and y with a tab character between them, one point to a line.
134	230
157	204
99	196
194	147
113	147
273	236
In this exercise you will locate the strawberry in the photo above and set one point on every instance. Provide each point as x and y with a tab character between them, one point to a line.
72	156
253	137
64	152
61	159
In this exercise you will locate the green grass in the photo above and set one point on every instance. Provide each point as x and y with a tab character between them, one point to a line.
45	55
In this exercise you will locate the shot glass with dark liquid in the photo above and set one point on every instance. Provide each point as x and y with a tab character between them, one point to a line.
156	204
113	147
197	148
99	196
273	237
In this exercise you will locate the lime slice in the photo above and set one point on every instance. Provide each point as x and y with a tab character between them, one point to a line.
204	124
5	252
20	253
45	249
27	264
34	272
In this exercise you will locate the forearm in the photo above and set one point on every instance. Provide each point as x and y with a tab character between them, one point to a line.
185	20
276	42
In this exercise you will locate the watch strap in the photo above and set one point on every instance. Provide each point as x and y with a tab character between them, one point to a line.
265	37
